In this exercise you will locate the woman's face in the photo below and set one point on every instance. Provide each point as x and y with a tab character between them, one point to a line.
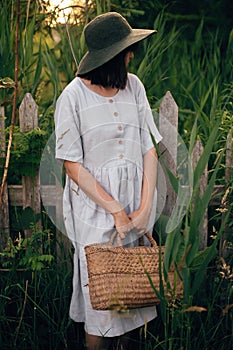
128	57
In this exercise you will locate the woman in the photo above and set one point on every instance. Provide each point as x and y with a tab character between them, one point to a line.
102	134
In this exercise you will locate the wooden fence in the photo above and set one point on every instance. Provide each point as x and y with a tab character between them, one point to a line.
28	194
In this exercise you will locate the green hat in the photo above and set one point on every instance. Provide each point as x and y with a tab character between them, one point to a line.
106	36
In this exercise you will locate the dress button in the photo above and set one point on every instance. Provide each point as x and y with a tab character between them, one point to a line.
110	100
120	127
116	114
121	155
120	142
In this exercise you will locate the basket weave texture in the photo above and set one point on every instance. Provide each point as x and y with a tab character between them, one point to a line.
118	276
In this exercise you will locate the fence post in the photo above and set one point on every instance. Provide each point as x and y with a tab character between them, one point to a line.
203	229
28	120
63	244
168	123
4	210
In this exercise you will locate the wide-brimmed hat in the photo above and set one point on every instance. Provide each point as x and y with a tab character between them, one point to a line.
106	36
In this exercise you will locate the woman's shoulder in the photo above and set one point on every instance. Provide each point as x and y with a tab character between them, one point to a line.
72	86
135	85
71	92
133	79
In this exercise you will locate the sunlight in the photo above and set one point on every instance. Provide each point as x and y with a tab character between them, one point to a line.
64	8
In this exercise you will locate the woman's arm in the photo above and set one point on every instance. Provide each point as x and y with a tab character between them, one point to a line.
141	216
95	191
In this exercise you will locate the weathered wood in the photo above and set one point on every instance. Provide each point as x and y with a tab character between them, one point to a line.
15	195
28	114
63	243
4	210
50	195
168	124
31	192
28	118
203	229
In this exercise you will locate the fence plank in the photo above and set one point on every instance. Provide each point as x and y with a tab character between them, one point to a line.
28	119
203	229
63	243
28	114
168	124
4	210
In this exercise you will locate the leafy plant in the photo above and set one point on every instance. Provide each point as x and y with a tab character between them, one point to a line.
32	253
24	144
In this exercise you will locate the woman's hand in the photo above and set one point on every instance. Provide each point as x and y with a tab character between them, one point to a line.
139	219
122	223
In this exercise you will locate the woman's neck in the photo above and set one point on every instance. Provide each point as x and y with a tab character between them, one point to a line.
101	90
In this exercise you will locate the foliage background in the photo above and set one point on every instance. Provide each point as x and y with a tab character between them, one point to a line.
191	56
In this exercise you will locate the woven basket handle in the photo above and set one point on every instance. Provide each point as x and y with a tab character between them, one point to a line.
151	240
141	242
113	236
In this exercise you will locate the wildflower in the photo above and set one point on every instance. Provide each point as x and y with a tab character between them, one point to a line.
225	270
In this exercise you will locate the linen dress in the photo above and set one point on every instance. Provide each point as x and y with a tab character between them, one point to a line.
109	136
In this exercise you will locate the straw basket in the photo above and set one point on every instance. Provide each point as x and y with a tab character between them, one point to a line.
118	276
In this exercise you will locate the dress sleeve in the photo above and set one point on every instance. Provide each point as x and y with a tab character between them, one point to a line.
67	129
147	123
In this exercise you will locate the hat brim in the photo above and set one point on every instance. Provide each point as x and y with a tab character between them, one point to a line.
96	58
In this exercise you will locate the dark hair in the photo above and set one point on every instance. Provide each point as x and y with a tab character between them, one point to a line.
112	73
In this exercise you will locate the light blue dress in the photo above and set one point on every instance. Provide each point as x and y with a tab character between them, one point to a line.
109	136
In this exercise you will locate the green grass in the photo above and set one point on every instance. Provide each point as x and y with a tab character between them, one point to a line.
34	305
34	315
34	310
